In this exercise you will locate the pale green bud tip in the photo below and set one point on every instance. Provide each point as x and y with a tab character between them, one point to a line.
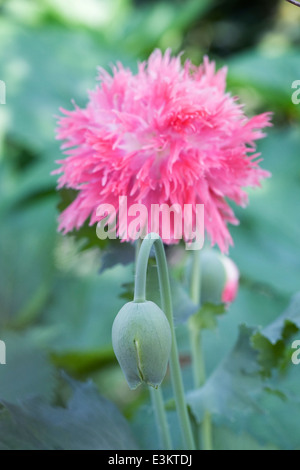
219	278
141	338
213	277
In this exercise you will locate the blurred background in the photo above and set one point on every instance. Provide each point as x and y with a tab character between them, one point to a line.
56	311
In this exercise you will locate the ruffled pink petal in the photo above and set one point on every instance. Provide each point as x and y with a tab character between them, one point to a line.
168	135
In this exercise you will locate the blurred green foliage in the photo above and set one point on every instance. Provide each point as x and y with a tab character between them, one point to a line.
56	311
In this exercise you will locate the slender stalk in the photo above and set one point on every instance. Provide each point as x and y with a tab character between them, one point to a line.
205	431
197	355
137	250
140	296
161	418
195	286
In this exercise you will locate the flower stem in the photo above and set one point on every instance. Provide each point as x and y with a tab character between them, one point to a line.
156	394
140	296
161	418
205	431
197	356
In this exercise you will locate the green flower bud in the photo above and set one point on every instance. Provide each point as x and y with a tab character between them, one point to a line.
219	278
141	338
213	277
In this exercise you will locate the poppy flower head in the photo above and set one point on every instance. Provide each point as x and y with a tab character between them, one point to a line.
169	134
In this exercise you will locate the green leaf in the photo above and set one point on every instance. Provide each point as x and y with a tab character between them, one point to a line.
117	253
271	75
128	291
275	331
78	362
207	316
232	389
268	235
86	233
241	399
274	341
34	98
226	439
28	370
27	262
82	311
150	26
89	422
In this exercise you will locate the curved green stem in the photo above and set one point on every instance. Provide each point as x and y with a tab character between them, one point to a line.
156	394
140	296
197	354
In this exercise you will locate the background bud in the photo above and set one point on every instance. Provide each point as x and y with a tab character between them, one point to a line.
141	338
219	278
232	280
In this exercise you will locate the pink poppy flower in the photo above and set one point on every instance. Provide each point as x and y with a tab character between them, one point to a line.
168	134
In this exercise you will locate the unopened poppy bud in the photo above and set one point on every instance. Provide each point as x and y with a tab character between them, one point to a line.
219	278
232	280
141	338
